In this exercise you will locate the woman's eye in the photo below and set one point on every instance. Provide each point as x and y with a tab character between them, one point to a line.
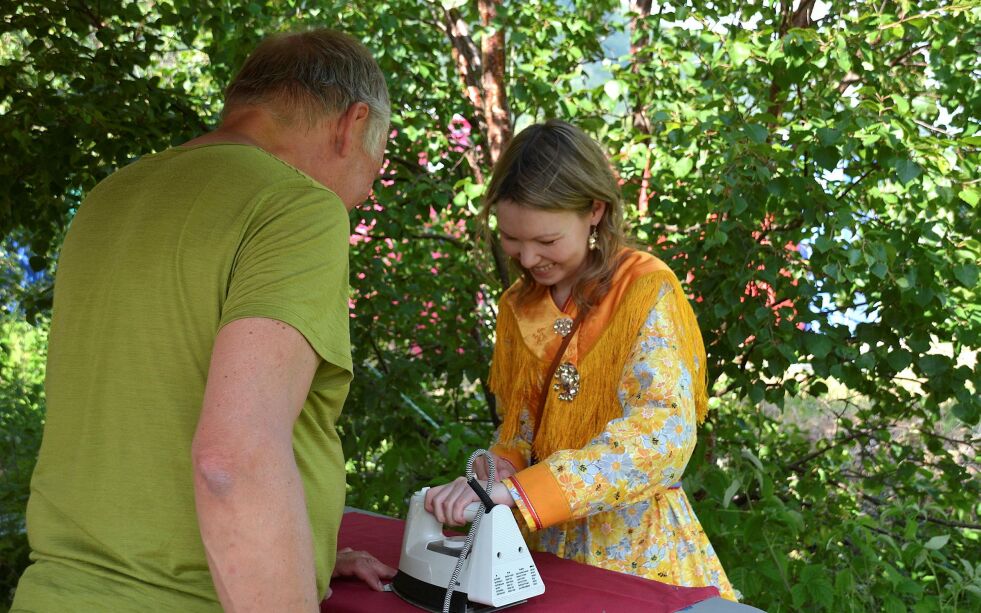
551	242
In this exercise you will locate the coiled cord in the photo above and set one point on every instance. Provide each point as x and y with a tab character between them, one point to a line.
491	477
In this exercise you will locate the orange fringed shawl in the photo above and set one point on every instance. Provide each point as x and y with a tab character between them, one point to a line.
526	345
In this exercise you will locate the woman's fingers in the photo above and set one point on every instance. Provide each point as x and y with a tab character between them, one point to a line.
447	502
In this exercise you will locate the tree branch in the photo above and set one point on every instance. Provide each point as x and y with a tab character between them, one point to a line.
797	466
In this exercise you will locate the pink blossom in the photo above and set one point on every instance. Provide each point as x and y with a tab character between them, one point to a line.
361	232
459	133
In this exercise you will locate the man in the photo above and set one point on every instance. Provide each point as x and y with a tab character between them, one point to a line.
199	355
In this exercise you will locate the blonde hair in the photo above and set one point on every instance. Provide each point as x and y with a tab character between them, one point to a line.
555	166
311	75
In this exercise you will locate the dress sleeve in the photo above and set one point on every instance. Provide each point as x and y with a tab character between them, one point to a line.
637	455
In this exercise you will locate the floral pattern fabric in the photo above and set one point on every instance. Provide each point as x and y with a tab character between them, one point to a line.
629	513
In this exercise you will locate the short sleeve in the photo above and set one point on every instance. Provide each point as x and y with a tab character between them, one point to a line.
292	266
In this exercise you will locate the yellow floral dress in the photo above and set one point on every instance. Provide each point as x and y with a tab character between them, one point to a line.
616	502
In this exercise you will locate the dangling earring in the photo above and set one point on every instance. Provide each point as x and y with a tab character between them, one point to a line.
593	239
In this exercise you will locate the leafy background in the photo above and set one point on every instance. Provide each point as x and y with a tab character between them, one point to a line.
810	170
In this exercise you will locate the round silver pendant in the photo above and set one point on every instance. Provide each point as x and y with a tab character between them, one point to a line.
562	326
566	381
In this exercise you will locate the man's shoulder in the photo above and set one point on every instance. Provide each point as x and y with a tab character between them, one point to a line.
224	172
229	161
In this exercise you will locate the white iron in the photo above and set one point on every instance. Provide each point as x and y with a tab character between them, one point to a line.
498	572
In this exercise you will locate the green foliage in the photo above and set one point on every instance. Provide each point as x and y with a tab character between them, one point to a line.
814	182
22	356
854	528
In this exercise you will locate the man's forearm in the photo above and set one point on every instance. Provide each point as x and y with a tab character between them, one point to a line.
256	531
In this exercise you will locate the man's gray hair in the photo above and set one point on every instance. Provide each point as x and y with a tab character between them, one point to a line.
310	75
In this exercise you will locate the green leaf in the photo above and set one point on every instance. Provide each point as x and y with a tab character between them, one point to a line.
613	88
841	57
899	359
823	243
739	205
730	492
967	275
901	104
682	167
756	133
828	136
937	542
739	52
827	157
968	412
907	171
818	344
969	196
749	455
933	365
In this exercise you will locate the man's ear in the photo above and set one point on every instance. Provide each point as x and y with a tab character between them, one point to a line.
349	129
599	207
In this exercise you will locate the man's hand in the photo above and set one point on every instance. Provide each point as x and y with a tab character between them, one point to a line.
364	566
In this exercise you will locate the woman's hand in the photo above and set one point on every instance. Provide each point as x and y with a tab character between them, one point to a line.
448	501
362	565
503	468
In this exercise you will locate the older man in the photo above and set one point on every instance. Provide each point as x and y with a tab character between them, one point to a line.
199	355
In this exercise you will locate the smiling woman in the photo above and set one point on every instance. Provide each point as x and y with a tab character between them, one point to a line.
550	245
599	371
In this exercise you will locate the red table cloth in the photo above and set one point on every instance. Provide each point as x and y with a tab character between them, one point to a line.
569	586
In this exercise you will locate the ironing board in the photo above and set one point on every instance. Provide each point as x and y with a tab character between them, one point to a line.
570	586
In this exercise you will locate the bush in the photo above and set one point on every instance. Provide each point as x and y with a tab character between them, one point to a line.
868	520
22	358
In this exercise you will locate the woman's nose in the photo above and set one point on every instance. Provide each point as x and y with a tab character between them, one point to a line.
528	257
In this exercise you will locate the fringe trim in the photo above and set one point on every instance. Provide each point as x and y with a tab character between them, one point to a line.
516	373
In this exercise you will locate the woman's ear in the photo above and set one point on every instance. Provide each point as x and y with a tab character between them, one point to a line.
599	207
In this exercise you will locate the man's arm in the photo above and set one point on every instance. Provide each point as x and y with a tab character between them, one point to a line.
249	496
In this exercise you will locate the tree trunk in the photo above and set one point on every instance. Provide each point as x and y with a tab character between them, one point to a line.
639	40
496	112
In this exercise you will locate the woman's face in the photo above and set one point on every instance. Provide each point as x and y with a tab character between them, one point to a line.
551	245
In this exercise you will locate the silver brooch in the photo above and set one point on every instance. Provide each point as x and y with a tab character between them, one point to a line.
562	326
567	381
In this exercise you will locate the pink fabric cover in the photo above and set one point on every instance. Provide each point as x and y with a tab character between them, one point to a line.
569	586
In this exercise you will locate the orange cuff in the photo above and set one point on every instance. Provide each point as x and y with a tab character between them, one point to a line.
510	454
544	503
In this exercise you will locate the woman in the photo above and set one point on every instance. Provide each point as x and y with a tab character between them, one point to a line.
599	373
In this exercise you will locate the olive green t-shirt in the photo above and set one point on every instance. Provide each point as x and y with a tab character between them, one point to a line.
158	258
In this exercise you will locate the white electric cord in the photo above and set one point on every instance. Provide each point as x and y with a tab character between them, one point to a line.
491	476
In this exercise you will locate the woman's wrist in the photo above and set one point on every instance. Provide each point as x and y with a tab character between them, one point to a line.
500	494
